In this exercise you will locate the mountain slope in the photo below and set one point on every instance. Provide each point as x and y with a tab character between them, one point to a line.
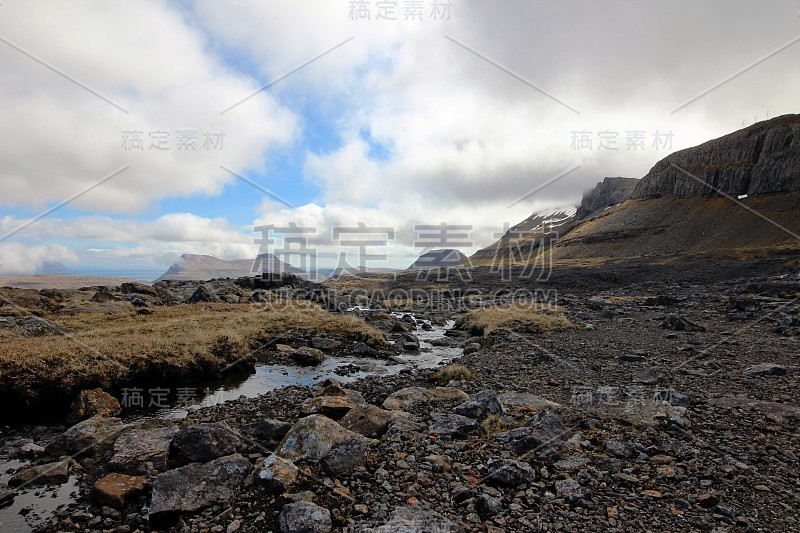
204	267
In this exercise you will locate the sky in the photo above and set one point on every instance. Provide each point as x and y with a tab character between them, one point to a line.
137	131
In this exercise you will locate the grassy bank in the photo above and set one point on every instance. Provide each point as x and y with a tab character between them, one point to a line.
107	350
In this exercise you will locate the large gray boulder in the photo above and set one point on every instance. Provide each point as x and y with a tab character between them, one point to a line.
140	448
481	405
196	486
95	435
203	442
305	517
312	438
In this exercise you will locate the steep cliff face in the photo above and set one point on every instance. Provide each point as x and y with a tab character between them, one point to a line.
610	191
763	158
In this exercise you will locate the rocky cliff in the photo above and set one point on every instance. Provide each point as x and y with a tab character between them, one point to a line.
763	158
610	191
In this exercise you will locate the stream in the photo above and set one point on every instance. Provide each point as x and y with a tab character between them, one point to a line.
34	505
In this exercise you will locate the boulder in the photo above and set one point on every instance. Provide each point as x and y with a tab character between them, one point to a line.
104	297
306	356
95	435
93	402
202	295
324	343
115	490
451	425
305	517
138	449
6	498
138	288
191	488
203	442
311	439
334	407
409	342
408	397
509	473
345	456
276	473
481	405
528	401
367	420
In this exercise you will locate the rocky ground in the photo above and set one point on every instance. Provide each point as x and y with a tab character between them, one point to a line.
668	407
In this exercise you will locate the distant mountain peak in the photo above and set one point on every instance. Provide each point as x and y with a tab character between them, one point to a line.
441	258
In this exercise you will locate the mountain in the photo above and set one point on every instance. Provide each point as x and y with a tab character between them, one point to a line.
741	201
53	268
446	258
192	267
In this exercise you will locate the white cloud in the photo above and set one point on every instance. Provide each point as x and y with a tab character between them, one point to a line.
18	259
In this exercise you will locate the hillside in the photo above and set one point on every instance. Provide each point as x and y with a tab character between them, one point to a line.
204	267
445	258
742	203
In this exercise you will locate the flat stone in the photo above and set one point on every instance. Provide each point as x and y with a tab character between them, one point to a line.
46	474
416	520
95	435
116	490
509	473
345	456
93	402
571	490
367	420
307	356
452	425
268	430
408	397
766	369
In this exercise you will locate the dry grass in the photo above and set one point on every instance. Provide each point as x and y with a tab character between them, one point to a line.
452	373
108	349
531	318
493	425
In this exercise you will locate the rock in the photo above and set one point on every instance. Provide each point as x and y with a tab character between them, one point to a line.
31	449
116	490
761	158
347	455
46	474
408	397
649	376
509	473
481	405
305	517
487	507
93	402
522	439
632	357
311	438
34	326
203	442
268	430
138	449
104	297
95	435
6	498
196	486
451	425
671	396
409	342
773	409
324	343
202	295
276	473
367	420
610	191
334	407
472	348
678	323
416	520
766	369
138	288
619	448
571	490
550	425
306	356
571	463
527	401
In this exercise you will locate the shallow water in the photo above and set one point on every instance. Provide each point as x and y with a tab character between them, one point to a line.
39	503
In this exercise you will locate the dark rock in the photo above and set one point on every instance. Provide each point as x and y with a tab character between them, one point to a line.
619	448
305	517
571	490
416	520
138	449
104	297
324	343
509	473
410	342
203	442
487	507
649	376
138	288
611	191
410	396
452	425
678	323
268	430
202	295
481	405
347	455
95	435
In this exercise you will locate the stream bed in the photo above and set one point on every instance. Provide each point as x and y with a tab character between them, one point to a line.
33	505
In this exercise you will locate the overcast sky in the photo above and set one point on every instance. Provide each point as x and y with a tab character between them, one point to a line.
135	131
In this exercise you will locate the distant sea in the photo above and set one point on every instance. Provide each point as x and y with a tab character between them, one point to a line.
143	274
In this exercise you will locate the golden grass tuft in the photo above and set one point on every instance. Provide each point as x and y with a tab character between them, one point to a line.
452	373
104	350
529	317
